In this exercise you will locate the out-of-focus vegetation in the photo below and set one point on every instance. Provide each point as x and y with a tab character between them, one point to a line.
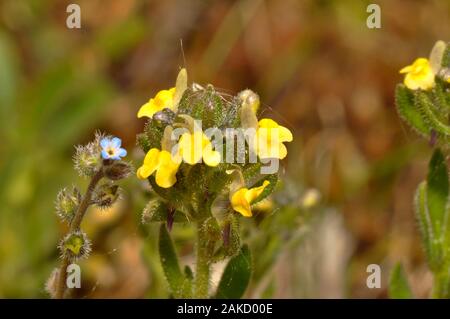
322	73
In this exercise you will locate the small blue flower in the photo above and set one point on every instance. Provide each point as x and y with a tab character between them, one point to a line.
111	148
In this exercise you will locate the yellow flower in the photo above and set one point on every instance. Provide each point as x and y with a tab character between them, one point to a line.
165	166
270	137
163	99
166	98
419	75
196	146
243	198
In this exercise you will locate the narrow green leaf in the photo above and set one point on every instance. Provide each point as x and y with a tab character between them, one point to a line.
437	192
187	284
236	276
273	179
404	100
398	284
427	109
169	262
423	218
157	211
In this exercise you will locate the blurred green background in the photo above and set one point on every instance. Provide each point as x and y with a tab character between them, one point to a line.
319	71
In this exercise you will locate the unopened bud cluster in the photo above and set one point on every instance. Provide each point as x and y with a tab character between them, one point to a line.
98	160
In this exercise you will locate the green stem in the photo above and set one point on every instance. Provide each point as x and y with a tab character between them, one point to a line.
74	226
201	284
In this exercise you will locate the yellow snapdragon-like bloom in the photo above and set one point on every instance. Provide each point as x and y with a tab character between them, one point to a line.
163	163
419	75
270	137
242	199
195	146
163	99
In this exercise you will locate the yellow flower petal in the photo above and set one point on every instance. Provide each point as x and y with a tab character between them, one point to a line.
152	158
191	147
284	134
151	162
253	193
419	75
165	175
143	172
210	157
282	151
267	123
406	69
240	203
163	99
243	198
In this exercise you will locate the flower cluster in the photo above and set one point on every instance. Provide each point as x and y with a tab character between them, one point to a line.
167	153
203	149
97	160
423	100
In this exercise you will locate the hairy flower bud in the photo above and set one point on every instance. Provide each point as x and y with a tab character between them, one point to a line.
117	170
106	195
87	159
75	246
67	202
51	283
166	116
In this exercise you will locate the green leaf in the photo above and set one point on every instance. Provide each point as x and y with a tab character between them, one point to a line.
423	218
404	100
169	262
157	211
432	212
187	284
398	284
236	276
437	192
273	179
427	109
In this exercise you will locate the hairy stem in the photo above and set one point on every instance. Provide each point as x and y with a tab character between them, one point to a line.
201	284
74	226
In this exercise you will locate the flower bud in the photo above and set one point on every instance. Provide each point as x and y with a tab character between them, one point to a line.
117	170
67	202
249	107
436	55
310	199
248	97
106	195
75	246
87	159
166	116
51	283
